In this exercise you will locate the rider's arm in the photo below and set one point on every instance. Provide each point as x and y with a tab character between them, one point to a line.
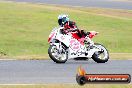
72	24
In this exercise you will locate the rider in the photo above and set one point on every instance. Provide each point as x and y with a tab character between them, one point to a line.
64	21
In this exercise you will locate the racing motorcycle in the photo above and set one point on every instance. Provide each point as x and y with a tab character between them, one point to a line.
70	46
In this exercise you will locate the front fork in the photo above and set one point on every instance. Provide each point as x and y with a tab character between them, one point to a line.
59	47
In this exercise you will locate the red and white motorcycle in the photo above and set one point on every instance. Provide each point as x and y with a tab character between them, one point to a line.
68	46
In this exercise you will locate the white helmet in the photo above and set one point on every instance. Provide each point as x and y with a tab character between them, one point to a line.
62	19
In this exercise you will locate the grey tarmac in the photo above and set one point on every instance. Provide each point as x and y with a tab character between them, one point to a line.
48	72
114	4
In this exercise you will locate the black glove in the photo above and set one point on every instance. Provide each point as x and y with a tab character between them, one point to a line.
62	31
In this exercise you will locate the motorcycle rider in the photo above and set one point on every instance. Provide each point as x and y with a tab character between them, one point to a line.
64	21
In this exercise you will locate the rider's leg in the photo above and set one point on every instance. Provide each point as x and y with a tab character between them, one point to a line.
79	33
88	41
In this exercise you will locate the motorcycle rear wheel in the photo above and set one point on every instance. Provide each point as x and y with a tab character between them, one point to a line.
101	57
55	57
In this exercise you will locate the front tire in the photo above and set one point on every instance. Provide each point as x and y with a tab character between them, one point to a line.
101	56
54	55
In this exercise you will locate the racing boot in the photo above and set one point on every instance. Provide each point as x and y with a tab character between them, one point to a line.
88	43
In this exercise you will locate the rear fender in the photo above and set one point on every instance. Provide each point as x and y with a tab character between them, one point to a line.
92	51
92	34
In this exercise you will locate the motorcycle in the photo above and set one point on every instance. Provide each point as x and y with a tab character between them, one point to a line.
71	46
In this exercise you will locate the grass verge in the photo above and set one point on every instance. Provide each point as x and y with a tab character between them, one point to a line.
113	56
69	86
24	27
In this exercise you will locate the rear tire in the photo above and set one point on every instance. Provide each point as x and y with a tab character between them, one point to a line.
97	55
55	58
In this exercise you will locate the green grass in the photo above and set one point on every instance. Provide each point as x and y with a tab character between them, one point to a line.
69	86
24	27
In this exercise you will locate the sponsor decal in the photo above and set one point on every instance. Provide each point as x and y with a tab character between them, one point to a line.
62	37
74	45
78	53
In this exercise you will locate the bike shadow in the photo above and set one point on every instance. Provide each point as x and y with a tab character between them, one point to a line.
80	62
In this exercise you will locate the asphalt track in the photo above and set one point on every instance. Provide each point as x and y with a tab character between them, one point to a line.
114	4
47	72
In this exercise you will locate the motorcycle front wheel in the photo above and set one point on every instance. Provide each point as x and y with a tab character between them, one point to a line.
56	56
100	56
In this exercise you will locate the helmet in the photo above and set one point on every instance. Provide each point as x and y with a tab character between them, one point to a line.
62	19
